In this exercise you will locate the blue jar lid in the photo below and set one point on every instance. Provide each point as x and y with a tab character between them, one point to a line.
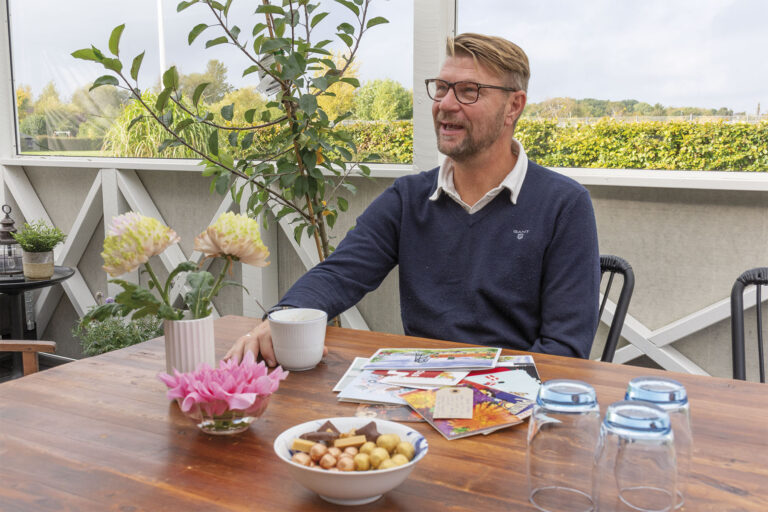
635	416
666	393
567	395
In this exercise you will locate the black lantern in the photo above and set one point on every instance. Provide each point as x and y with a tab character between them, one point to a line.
10	250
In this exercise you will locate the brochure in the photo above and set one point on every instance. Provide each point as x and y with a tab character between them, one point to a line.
431	359
369	388
492	410
422	378
521	379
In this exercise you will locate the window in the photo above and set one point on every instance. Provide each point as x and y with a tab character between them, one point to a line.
653	84
58	115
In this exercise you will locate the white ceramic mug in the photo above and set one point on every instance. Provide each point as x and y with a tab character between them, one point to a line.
298	337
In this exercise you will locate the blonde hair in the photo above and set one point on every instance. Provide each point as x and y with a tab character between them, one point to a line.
503	57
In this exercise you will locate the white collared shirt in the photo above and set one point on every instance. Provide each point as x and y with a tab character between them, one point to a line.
512	181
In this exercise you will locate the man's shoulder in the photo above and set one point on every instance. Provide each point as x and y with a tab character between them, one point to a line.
561	184
420	183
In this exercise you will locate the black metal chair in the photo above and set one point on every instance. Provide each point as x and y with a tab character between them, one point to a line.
615	265
757	277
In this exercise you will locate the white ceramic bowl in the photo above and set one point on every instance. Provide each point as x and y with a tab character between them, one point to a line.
350	487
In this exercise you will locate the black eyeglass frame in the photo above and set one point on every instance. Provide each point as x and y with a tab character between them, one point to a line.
452	85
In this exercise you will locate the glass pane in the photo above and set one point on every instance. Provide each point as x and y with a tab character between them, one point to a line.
652	84
57	114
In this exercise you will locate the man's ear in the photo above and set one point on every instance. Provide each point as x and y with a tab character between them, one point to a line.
515	105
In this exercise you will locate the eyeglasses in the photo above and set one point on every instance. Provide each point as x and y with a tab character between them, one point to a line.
465	92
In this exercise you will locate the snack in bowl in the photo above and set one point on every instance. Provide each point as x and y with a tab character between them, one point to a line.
357	470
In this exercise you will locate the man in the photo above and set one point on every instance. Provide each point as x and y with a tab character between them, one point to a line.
492	249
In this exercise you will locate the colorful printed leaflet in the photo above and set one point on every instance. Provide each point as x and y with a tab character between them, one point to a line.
367	388
522	380
388	412
492	411
433	359
422	378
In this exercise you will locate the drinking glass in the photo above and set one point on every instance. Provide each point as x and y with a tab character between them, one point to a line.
562	435
671	396
635	459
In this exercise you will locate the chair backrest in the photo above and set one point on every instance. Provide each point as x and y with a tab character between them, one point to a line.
759	278
613	265
29	350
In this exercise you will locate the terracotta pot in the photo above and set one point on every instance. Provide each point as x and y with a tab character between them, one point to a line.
37	265
188	343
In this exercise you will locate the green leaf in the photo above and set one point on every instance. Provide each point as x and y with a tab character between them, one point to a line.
354	82
222	183
247	140
196	31
162	99
346	38
197	298
249	114
183	5
199	92
378	20
112	64
136	65
104	80
297	232
308	103
349	5
343	204
166	144
232	138
258	28
86	54
320	83
133	122
214	42
270	45
317	19
235	31
114	39
171	78
251	69
346	27
213	143
271	9
228	112
183	124
226	8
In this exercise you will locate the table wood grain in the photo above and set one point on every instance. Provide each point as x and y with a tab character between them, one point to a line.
99	434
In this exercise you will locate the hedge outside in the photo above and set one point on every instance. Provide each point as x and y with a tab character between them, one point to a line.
671	145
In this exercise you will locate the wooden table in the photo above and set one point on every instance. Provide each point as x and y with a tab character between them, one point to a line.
99	434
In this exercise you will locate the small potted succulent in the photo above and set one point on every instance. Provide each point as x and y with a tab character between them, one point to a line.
37	241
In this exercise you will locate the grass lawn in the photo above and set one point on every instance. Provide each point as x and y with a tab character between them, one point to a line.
67	153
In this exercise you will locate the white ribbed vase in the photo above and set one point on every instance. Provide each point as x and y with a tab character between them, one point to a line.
189	343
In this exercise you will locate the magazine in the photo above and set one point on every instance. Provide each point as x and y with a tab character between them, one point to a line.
492	410
368	388
422	378
519	377
433	359
353	371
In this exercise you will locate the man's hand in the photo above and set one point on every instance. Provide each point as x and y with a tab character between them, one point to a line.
258	341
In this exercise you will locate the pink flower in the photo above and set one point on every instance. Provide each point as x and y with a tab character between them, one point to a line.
245	386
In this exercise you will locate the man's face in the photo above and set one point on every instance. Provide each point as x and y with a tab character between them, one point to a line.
464	131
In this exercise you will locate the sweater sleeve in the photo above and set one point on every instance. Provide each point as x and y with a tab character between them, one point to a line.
358	265
570	283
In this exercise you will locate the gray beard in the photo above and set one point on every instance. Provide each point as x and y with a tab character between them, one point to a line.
471	146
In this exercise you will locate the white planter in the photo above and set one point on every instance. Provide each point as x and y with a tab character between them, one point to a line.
189	343
37	265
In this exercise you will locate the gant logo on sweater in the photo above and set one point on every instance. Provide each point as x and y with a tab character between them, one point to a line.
520	233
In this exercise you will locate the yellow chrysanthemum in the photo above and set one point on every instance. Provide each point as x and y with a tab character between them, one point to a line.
131	240
236	236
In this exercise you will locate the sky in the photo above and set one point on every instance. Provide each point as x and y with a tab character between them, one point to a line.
700	53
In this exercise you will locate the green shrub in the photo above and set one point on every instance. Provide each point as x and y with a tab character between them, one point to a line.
39	237
116	332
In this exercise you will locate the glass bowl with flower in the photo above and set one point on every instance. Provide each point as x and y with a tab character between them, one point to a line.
226	399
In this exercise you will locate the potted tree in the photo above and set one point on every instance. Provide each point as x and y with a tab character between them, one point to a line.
37	241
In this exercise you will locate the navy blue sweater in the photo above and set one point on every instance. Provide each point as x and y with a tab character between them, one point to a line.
524	276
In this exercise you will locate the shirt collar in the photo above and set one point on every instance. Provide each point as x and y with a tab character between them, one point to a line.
513	181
